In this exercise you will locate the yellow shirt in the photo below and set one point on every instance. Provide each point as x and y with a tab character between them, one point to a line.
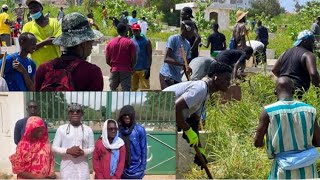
49	52
4	28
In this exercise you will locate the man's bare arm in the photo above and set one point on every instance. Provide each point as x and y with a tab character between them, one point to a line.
311	64
262	129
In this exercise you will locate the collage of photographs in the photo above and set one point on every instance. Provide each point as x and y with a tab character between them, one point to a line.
146	89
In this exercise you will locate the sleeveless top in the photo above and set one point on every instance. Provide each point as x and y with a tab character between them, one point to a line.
293	67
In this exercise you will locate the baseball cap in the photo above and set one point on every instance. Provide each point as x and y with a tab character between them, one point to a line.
303	35
136	26
188	10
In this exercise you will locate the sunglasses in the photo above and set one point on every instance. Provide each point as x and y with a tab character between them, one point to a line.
77	111
112	129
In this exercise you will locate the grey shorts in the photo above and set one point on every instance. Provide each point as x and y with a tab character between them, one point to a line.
120	78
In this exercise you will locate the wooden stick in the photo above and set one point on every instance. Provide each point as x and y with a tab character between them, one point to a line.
184	56
198	153
253	58
3	65
203	163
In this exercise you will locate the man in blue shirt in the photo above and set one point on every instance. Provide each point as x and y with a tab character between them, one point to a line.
170	72
141	73
133	18
135	140
20	70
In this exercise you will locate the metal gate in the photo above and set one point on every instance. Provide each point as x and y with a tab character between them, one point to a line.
154	110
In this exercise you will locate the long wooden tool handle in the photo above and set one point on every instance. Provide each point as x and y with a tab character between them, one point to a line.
3	65
254	59
203	163
184	56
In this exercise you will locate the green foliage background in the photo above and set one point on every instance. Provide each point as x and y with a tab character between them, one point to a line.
231	129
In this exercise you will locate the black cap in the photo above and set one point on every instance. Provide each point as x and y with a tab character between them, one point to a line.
188	10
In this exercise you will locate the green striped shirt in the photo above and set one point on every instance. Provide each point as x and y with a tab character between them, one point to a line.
291	129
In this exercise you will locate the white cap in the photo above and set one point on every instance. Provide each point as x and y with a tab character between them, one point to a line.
4	6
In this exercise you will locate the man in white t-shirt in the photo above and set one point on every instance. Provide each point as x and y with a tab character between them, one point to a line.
144	26
191	97
258	50
200	67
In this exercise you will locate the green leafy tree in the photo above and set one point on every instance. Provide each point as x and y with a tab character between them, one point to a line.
268	7
304	18
297	6
160	106
201	22
165	6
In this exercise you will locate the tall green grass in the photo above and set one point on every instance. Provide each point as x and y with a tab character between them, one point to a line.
231	129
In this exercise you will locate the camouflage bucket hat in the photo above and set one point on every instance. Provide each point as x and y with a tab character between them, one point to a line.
76	30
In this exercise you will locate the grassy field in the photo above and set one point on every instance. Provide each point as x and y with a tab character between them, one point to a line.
232	127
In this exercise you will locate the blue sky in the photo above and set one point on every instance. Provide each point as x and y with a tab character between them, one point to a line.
289	4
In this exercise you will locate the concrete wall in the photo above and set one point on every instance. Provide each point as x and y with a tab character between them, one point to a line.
98	58
12	108
223	17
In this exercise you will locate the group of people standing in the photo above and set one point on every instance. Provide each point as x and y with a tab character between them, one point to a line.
119	153
59	52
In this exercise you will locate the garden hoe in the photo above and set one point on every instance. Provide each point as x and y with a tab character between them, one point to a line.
198	153
253	58
203	163
184	56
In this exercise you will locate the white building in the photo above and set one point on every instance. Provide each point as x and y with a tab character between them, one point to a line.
12	108
219	10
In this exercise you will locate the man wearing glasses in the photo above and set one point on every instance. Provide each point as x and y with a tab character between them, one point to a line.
170	72
19	128
74	142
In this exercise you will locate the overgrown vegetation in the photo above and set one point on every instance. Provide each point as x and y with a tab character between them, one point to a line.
231	129
268	7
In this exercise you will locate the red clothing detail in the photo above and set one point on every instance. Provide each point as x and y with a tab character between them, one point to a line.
33	156
86	76
101	161
16	29
119	50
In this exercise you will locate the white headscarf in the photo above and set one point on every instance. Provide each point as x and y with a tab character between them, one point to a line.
117	141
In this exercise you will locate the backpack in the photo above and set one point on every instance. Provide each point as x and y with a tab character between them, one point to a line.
232	43
234	39
59	78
